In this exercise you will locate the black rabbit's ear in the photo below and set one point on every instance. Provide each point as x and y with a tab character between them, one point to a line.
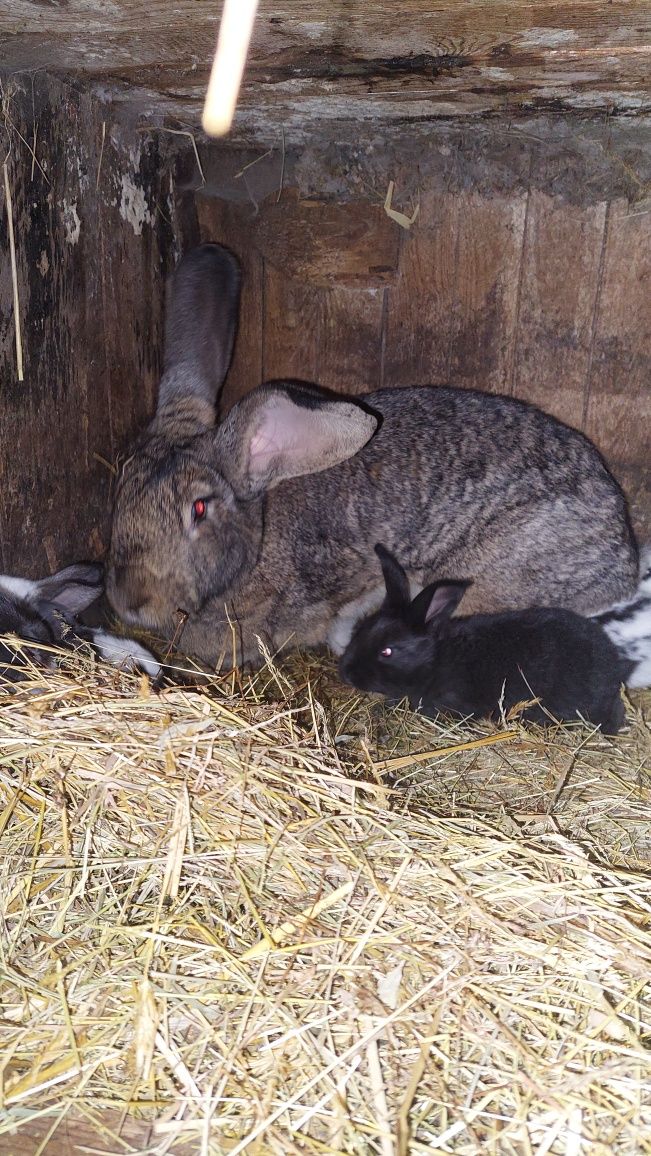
72	589
437	601
395	579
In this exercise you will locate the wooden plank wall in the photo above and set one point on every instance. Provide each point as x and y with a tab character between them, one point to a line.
94	241
523	293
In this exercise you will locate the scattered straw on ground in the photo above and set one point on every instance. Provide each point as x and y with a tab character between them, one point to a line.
279	918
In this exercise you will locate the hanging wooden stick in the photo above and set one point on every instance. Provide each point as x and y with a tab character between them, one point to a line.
226	75
14	272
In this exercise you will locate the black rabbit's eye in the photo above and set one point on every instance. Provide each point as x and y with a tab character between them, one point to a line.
199	509
386	653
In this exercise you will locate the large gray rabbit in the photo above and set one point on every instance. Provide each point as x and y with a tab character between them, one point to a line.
262	524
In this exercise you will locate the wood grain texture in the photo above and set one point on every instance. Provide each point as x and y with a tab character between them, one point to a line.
350	353
330	336
635	480
327	243
421	306
617	412
526	294
319	61
490	257
562	253
311	310
76	1134
291	336
452	316
91	295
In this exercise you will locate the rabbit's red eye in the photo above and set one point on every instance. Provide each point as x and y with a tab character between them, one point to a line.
387	652
198	510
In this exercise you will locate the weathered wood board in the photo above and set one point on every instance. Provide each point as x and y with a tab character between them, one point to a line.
99	1130
94	240
317	61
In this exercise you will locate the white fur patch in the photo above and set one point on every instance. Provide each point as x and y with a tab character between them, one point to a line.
640	678
342	626
632	634
126	653
21	587
630	629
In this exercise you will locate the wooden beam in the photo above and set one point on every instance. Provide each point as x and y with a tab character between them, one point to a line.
313	62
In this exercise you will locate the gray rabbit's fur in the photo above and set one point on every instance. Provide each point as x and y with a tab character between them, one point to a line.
295	485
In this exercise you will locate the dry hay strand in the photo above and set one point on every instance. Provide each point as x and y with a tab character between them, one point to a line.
246	918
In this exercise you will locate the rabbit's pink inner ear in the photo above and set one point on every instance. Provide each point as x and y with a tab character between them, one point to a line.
72	589
268	442
445	599
438	603
76	598
289	439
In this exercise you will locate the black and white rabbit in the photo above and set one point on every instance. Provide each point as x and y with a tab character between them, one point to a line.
628	624
478	665
44	613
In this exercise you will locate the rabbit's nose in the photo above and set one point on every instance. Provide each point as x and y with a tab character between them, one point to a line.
126	592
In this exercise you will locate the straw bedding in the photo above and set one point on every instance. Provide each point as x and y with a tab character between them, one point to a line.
250	917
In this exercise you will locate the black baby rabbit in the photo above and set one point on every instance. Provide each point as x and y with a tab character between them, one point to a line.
478	665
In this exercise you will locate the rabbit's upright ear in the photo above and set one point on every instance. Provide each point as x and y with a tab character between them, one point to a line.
395	579
286	431
72	589
202	308
437	602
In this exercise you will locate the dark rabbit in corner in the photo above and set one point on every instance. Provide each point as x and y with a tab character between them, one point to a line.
44	614
485	663
265	518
